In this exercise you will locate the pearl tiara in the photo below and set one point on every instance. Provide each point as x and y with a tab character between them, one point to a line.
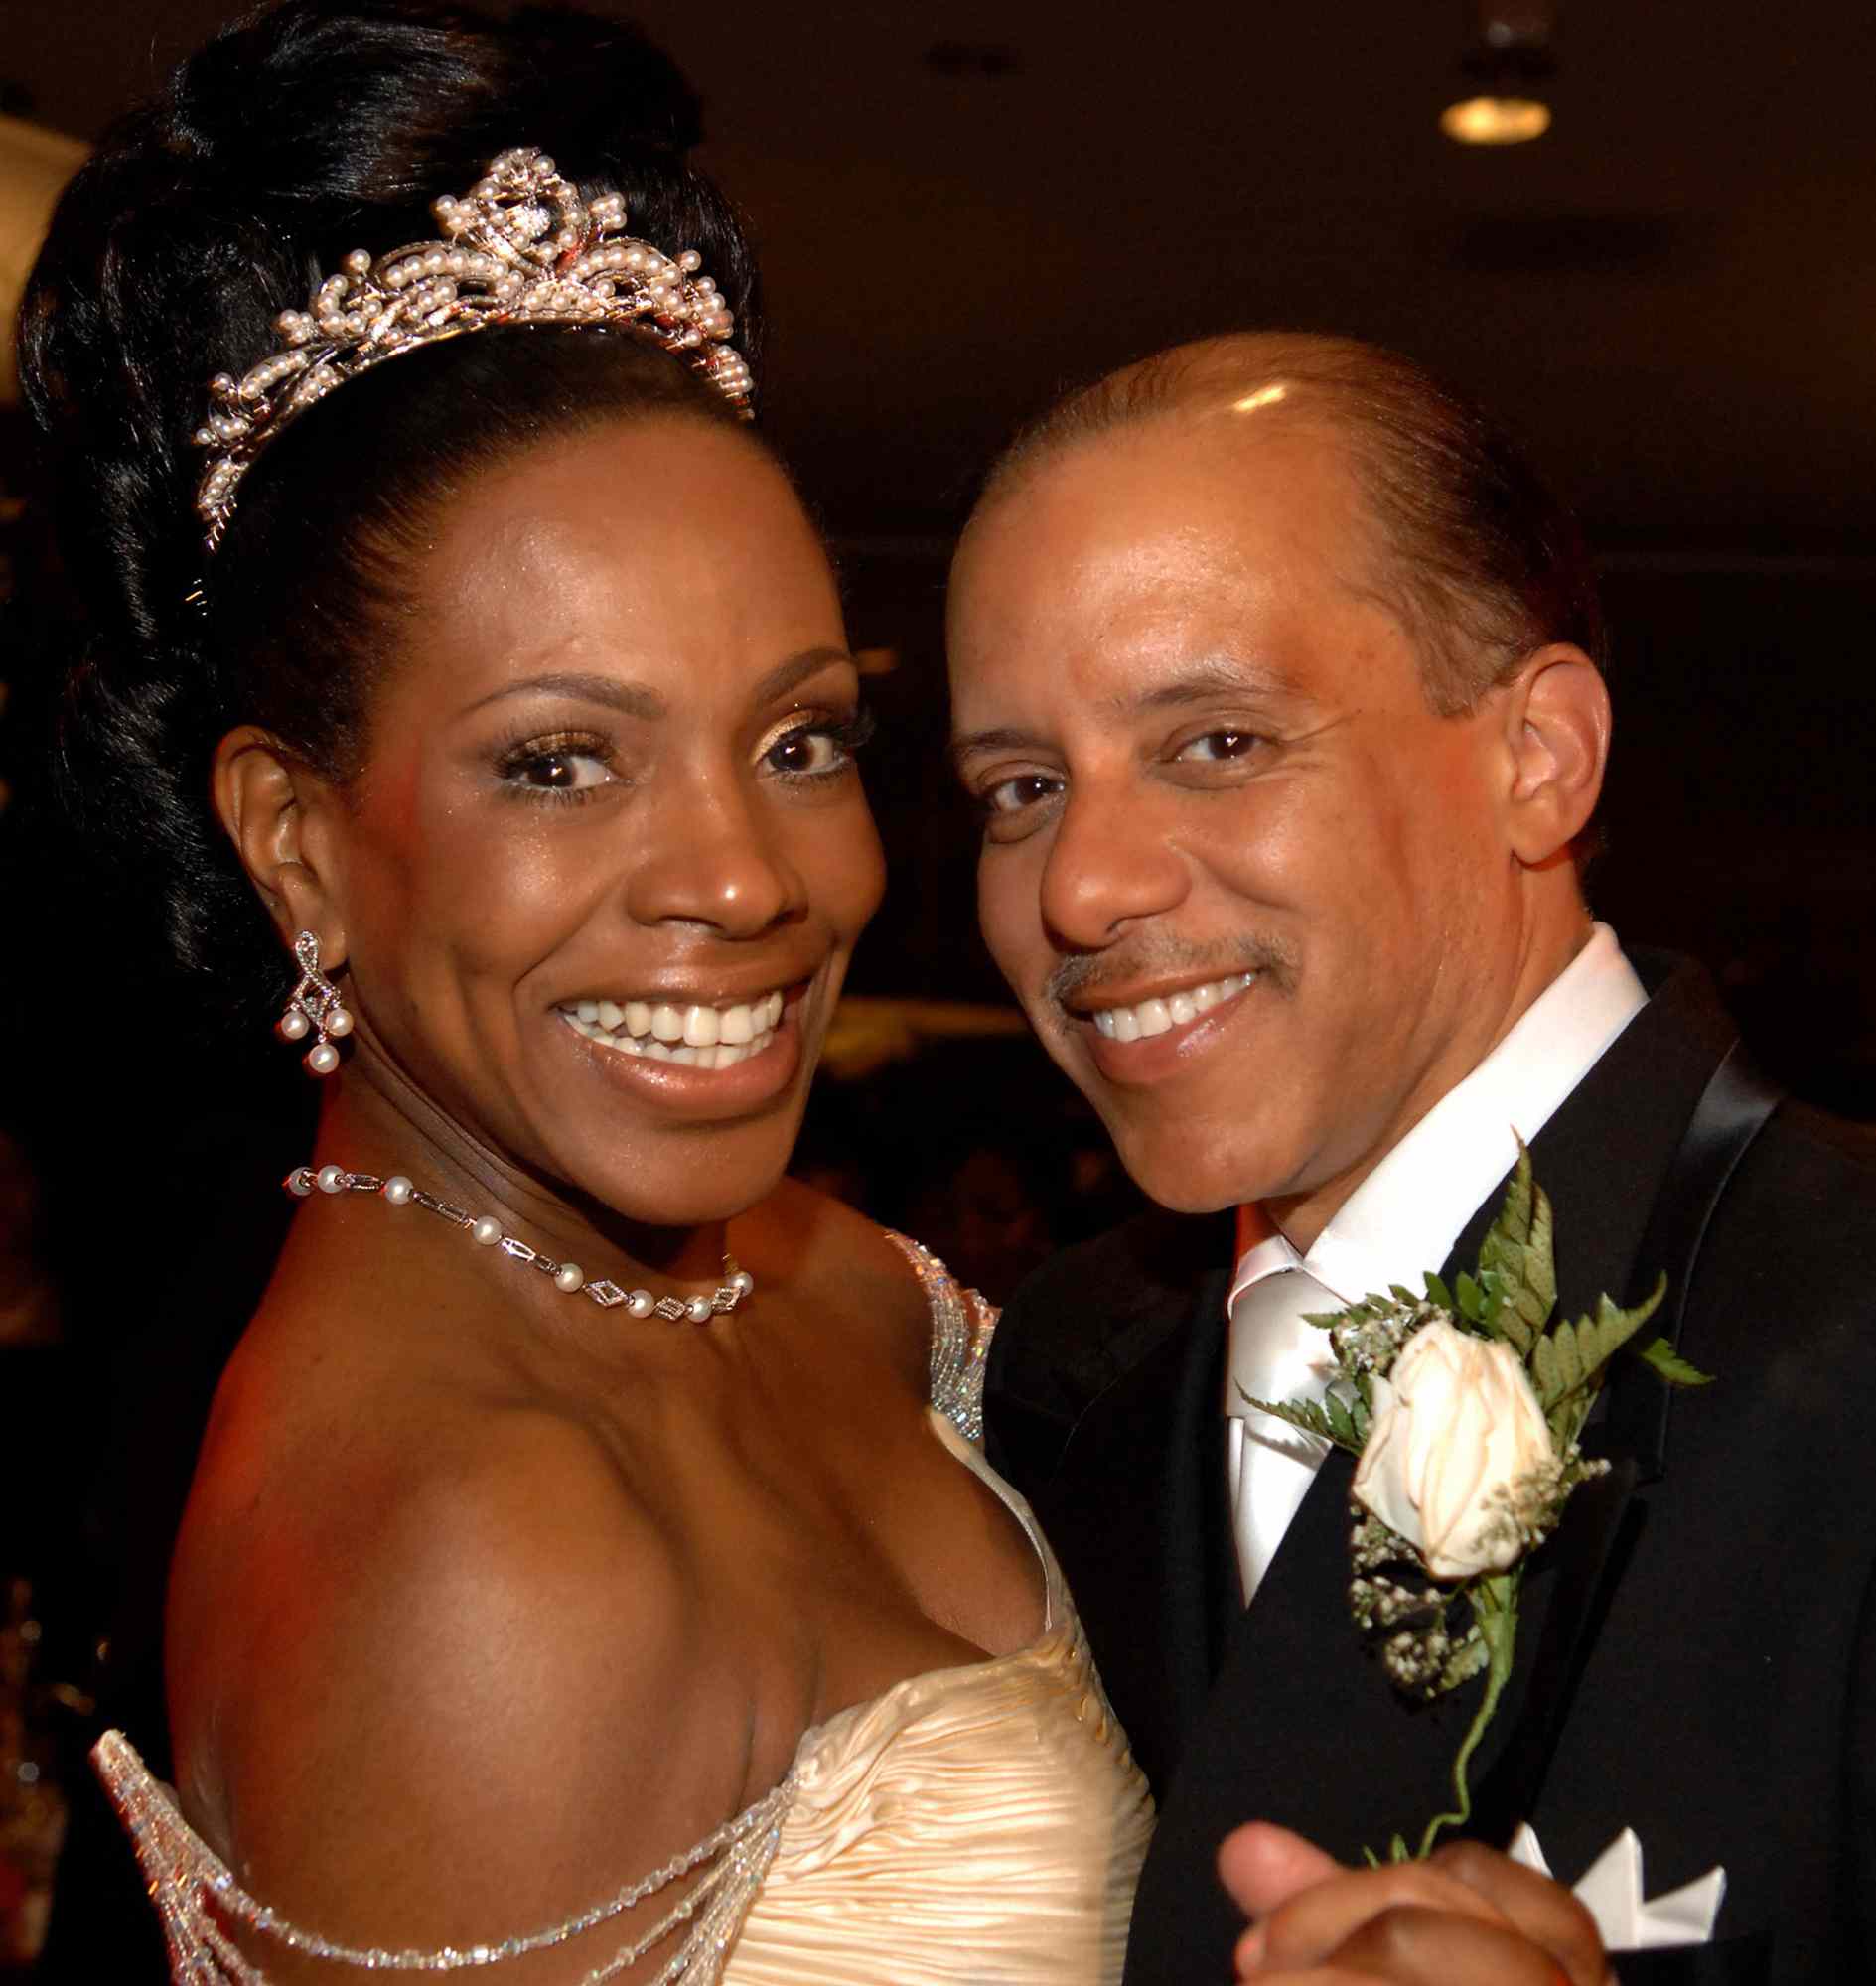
520	247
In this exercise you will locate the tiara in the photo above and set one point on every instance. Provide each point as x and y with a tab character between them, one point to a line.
520	247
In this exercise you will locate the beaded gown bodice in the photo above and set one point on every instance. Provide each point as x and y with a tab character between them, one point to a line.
981	1823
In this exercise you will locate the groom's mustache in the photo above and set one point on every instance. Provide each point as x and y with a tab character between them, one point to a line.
1088	974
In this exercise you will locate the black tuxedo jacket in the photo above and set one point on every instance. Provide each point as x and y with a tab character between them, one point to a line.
1697	1648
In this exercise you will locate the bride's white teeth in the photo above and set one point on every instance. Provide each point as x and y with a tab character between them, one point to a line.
668	1024
588	1011
608	1015
736	1025
1156	1016
722	1053
638	1017
700	1026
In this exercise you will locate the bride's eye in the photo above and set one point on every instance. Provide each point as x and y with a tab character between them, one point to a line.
818	750
557	767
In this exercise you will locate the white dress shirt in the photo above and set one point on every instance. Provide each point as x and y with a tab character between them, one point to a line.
1405	1215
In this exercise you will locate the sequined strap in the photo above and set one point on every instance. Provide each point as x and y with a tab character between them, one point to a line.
962	1324
198	1899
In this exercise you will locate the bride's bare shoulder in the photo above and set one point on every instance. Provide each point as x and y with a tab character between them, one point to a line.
389	1669
846	1258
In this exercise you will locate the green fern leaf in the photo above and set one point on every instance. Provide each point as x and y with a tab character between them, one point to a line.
1471	1297
1571	1362
1514	1215
1662	1358
1541	1255
1438	1293
1341	1421
1308	1416
1544	1366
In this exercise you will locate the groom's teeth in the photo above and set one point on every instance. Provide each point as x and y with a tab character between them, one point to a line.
1154	1017
694	1036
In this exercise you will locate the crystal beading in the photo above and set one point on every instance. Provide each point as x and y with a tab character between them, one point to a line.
397	1191
198	1898
520	247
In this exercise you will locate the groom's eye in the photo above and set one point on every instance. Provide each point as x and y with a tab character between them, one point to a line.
1215	745
1012	795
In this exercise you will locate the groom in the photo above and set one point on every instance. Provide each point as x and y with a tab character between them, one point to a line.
1278	685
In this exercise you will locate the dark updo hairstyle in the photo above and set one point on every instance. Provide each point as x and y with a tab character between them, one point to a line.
300	133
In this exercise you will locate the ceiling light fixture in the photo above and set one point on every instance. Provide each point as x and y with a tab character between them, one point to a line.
1507	62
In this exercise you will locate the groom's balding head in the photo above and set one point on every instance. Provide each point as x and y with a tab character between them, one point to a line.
1469	546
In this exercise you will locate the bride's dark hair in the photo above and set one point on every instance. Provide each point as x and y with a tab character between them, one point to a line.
300	133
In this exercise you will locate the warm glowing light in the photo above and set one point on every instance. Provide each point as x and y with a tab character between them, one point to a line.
33	165
1264	396
1495	120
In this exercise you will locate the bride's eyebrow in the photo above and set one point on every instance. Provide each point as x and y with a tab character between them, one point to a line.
641	700
634	699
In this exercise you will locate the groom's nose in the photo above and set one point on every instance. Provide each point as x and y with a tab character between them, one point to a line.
1110	866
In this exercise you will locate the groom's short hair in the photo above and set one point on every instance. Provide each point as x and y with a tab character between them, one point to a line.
1480	560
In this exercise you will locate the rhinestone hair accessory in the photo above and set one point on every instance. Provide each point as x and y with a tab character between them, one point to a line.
520	247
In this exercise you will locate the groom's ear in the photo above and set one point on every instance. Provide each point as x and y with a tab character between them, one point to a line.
1556	721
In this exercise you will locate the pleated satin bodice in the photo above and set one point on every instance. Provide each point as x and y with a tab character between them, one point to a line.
984	1824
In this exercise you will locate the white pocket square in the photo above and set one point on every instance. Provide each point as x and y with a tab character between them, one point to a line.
1612	1893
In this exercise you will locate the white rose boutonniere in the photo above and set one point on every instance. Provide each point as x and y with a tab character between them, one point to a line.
1463	1409
1456	1441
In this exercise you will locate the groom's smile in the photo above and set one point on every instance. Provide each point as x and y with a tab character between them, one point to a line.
1251	890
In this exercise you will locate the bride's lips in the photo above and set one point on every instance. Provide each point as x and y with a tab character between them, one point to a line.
702	1058
1160	1030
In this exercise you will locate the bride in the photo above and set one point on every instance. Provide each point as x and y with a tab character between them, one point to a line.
590	1566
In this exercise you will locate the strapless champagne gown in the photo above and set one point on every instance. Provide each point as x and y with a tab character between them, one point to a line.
975	1826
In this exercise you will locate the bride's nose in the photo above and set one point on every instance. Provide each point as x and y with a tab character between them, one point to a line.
716	858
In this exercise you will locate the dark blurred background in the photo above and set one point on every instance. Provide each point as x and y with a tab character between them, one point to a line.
1672	293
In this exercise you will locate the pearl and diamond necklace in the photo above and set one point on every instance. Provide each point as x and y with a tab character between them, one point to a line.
485	1231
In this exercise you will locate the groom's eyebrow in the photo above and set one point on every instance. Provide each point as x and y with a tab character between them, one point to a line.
1198	682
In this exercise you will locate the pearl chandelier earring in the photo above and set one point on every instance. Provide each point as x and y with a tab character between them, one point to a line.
314	1007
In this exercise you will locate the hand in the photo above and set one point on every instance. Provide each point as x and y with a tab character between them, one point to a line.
1467	1917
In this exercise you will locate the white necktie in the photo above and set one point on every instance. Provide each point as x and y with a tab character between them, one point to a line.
1274	1355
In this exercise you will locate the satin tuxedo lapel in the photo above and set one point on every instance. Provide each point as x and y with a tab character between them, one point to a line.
1109	1422
1300	1728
